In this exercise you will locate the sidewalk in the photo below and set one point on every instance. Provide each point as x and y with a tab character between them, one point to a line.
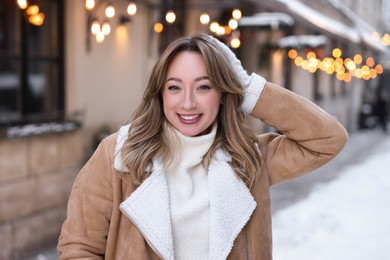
359	146
347	218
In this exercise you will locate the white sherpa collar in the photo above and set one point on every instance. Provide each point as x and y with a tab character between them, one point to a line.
120	141
231	205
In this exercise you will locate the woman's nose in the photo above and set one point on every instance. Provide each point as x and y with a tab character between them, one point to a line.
189	101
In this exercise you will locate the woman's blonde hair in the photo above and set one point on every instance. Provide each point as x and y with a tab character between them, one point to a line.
149	135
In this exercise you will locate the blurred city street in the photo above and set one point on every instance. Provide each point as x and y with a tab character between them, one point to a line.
72	72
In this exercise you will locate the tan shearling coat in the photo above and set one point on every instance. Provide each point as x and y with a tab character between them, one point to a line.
240	225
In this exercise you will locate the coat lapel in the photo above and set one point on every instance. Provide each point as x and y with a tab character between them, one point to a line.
231	205
148	208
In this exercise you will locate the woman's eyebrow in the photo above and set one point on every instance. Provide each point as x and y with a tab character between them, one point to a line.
201	78
195	80
174	79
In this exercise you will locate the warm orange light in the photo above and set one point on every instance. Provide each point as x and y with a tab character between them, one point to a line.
235	43
214	27
228	30
170	17
204	18
330	70
311	55
221	30
359	73
22	4
298	61
373	73
305	64
292	54
36	19
158	27
233	24
32	10
348	77
100	37
370	61
336	52
110	11
358	59
351	65
236	14
106	28
132	8
379	69
89	4
95	27
340	76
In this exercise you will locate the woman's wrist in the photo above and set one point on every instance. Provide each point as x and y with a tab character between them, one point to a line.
252	93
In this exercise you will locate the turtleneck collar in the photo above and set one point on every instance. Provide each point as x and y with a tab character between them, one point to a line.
193	148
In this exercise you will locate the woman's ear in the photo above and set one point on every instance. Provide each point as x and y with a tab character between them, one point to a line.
223	99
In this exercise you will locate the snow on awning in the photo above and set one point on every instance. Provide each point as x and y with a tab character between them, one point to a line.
299	41
273	20
364	28
322	21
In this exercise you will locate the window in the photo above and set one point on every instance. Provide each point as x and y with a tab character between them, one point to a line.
31	64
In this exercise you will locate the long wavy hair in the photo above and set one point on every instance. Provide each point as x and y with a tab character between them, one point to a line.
150	135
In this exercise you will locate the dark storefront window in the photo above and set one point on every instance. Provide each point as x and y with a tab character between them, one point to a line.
31	64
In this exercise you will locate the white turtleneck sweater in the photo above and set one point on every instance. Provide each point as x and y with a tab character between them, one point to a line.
189	198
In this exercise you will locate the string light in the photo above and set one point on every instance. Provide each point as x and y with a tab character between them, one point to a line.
95	27
110	11
170	16
214	27
292	54
235	43
220	31
100	37
89	4
336	52
131	8
106	28
345	69
32	10
204	18
158	27
236	14
233	24
37	19
22	4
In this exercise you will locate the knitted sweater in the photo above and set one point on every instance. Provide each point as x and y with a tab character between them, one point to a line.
189	198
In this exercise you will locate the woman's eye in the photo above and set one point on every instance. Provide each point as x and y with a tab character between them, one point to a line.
173	88
204	87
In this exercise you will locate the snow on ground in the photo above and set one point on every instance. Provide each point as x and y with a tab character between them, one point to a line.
346	219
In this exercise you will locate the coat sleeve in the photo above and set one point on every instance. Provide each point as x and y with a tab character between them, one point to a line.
310	136
84	232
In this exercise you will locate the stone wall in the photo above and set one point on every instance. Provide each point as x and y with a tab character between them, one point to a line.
36	175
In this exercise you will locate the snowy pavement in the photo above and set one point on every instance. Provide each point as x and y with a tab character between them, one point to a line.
342	219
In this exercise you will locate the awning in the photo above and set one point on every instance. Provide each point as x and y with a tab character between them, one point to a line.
301	41
322	21
273	20
359	32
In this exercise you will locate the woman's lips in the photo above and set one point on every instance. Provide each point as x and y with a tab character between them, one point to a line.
189	119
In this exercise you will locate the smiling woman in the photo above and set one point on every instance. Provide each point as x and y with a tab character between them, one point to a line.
187	179
191	104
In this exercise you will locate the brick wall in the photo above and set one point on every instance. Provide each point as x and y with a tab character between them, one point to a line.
36	175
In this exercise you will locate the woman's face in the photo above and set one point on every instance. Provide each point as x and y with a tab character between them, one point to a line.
190	103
